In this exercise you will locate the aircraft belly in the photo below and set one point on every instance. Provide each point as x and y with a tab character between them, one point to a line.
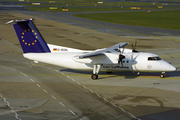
63	60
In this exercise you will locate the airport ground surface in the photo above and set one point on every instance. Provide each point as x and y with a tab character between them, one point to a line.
41	91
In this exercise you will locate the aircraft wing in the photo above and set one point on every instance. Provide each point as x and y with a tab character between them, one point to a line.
106	50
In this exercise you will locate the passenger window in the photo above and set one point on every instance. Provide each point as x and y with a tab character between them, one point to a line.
127	61
123	61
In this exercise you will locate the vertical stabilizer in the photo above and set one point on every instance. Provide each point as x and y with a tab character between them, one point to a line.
29	37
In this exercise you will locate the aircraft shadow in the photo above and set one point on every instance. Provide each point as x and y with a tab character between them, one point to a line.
167	115
126	74
103	73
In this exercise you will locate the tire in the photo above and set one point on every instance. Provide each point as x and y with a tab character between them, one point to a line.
94	76
162	76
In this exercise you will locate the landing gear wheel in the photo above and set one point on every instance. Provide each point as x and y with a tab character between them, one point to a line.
162	76
94	76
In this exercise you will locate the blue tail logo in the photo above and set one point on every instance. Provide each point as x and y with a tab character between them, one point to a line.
30	38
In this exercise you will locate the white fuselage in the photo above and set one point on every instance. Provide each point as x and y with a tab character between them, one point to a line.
68	58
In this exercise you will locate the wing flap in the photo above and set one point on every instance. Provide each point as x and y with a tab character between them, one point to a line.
93	54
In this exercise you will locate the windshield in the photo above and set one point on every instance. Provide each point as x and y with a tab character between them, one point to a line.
154	58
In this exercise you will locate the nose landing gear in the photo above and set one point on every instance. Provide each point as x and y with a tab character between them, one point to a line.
162	75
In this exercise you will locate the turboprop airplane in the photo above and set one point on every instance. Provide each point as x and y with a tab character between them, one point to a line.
114	58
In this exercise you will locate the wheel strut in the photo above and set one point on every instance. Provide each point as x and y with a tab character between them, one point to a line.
162	75
96	69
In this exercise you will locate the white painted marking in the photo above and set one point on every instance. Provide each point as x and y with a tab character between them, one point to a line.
72	112
78	83
16	115
24	74
56	70
122	109
90	90
62	73
49	68
38	85
133	116
114	104
8	104
5	99
45	91
53	97
32	80
62	104
98	95
72	79
42	66
13	69
84	86
105	99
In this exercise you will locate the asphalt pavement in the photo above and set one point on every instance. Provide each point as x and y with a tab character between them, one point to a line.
42	91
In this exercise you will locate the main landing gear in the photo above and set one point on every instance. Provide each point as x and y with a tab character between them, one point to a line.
96	71
162	75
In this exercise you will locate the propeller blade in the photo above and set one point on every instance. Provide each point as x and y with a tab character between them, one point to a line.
134	47
121	57
123	51
118	61
121	62
119	49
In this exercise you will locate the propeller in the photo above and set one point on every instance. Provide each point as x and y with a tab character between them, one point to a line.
121	57
134	47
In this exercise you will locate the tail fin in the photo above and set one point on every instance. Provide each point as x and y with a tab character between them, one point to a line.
29	37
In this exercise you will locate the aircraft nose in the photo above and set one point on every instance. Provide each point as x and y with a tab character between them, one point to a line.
172	68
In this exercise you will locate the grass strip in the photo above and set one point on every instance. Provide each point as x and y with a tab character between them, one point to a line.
169	19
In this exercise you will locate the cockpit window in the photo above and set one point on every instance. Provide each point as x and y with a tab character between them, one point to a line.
154	58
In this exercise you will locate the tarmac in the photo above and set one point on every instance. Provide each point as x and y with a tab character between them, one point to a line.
41	91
